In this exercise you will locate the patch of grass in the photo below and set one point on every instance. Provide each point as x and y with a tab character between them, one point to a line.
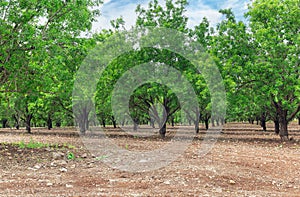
36	145
31	144
21	144
56	146
70	156
69	146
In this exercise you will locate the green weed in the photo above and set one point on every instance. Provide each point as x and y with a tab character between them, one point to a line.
70	156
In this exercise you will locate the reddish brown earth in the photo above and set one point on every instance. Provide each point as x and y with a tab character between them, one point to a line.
244	162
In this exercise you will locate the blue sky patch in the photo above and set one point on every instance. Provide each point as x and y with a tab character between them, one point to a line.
196	10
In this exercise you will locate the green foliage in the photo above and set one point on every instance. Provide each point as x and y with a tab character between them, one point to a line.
169	16
40	53
42	47
37	145
260	62
70	156
31	145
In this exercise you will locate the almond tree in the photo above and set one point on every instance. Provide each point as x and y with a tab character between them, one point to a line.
35	36
275	27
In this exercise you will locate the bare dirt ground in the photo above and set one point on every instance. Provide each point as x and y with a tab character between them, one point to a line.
244	162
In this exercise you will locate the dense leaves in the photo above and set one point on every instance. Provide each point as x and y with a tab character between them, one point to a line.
42	47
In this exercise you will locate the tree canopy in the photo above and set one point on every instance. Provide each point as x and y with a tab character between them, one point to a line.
43	46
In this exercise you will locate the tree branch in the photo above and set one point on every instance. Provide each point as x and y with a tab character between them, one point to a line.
293	115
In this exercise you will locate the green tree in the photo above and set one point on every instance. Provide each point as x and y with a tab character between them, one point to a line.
275	28
35	38
170	16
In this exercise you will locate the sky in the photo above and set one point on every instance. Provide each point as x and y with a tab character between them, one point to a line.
196	10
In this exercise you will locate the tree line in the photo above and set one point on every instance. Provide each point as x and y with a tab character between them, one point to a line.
42	48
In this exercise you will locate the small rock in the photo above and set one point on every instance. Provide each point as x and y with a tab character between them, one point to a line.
232	182
48	149
49	184
84	155
73	166
37	167
69	186
57	155
167	182
63	169
61	162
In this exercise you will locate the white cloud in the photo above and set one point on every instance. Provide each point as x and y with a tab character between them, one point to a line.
196	16
198	10
115	9
106	1
112	9
231	4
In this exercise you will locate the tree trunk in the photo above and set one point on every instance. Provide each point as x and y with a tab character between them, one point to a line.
196	122
114	121
213	122
217	121
283	132
82	125
263	122
135	126
152	123
276	125
173	123
103	122
135	123
4	123
251	120
28	123
206	121
283	119
49	123
17	119
58	124
87	125
283	123
83	122
222	121
163	130
28	128
197	126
